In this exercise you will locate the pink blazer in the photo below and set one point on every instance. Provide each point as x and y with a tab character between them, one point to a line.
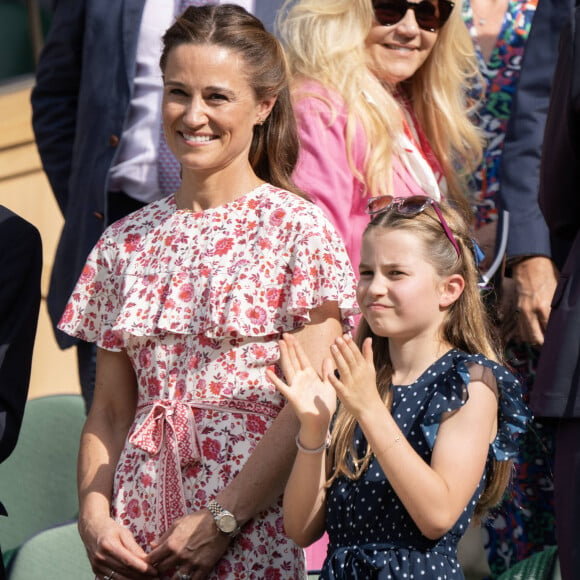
323	170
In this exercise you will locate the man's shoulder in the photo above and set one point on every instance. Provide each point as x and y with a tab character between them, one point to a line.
12	224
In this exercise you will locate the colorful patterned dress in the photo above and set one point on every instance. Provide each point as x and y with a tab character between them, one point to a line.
501	75
524	523
198	301
372	535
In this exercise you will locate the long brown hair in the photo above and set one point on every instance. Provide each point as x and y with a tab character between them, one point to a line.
274	149
476	337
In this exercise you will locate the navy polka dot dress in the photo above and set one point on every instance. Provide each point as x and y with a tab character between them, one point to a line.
371	535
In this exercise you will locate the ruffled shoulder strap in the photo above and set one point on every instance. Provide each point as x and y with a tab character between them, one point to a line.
452	392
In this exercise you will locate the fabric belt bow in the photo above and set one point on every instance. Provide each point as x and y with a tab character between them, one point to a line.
354	561
169	432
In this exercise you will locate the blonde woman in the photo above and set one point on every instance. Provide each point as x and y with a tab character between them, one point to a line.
378	89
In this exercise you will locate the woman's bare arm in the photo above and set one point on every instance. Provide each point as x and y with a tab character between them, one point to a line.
262	479
109	546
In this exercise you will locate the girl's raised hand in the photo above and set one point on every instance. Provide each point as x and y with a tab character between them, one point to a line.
313	399
357	386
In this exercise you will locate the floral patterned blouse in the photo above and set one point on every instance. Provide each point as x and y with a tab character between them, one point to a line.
501	75
198	301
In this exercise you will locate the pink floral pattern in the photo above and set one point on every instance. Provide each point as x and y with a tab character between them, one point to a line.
198	300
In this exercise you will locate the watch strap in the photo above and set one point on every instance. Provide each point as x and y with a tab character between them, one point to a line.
217	511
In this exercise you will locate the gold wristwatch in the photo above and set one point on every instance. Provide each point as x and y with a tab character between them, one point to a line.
224	520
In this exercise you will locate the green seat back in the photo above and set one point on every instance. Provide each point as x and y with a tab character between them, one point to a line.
38	481
16	56
540	566
54	554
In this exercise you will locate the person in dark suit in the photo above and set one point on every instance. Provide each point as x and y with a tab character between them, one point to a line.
96	106
528	244
20	269
556	392
523	523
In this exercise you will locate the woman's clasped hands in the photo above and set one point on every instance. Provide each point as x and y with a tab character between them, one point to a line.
190	548
113	551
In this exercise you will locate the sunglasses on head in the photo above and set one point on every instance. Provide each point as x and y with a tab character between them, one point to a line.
410	206
430	16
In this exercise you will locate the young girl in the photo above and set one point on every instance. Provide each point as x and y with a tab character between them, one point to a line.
426	426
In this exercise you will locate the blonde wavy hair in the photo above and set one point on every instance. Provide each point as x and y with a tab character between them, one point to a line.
325	41
478	336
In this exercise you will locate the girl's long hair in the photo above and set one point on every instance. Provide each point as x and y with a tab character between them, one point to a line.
325	41
274	149
475	337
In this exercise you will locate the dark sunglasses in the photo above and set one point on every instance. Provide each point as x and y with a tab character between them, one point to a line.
409	207
430	16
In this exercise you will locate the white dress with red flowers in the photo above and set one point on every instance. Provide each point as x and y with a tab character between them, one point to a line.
198	300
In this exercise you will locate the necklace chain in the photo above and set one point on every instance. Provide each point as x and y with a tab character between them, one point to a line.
481	20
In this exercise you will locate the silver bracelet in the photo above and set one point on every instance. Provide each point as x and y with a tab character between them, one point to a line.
323	447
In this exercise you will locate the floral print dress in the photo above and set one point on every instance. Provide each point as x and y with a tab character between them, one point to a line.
501	75
198	301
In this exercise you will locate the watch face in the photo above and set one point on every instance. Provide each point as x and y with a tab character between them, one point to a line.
227	523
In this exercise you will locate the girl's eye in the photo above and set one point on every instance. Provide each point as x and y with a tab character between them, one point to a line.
365	273
177	92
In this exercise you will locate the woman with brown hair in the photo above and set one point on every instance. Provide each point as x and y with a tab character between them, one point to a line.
187	446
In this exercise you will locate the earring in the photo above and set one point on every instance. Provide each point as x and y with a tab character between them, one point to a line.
260	122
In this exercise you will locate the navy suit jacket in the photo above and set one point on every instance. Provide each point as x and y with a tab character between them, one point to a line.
520	169
557	383
20	270
84	82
